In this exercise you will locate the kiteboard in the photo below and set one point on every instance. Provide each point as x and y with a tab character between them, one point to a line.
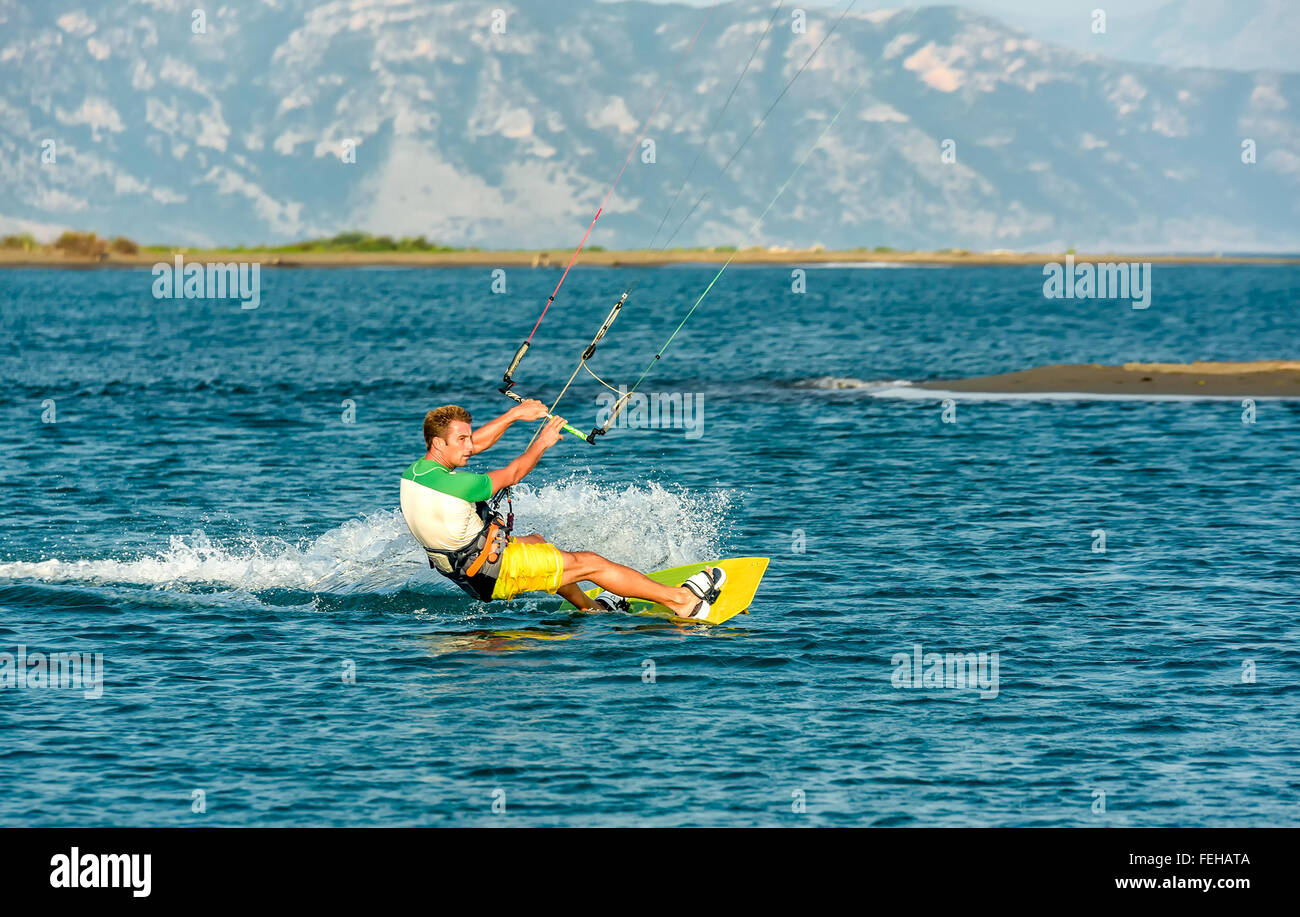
743	576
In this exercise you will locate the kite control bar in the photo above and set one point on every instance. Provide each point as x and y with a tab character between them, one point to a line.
509	381
568	428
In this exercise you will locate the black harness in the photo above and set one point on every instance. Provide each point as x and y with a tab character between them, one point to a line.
481	583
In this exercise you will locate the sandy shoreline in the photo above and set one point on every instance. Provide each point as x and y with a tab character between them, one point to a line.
1267	378
14	258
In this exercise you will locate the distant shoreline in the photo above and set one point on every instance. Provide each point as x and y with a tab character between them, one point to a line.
1264	378
17	258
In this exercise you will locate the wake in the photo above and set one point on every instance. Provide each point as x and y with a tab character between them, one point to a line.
644	526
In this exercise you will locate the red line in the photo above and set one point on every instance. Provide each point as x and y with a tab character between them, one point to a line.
618	178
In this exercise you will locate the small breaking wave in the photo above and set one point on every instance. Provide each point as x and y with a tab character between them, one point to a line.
847	383
909	392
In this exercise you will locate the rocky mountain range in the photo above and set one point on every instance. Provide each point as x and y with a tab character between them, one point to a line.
502	123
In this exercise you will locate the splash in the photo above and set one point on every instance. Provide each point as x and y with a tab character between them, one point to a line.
644	526
647	527
364	554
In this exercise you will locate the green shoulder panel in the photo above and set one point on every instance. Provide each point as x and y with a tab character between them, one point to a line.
460	484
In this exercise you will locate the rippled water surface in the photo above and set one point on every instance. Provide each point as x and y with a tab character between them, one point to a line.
213	510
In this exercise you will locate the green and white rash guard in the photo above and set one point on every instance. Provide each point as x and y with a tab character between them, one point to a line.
438	505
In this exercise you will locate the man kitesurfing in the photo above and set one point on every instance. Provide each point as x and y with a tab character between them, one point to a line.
468	542
465	538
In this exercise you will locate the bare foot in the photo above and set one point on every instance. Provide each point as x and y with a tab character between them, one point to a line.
685	604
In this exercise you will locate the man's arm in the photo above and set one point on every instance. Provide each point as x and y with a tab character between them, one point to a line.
485	437
513	473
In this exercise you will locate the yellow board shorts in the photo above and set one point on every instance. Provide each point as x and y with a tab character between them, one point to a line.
528	568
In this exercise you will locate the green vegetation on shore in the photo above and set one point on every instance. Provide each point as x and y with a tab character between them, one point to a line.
89	245
79	244
22	241
355	241
354	247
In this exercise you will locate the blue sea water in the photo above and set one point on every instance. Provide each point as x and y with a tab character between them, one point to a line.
213	509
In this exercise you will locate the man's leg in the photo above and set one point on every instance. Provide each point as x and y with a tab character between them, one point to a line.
624	581
571	592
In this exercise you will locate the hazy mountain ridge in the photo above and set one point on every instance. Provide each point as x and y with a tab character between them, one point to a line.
1235	34
478	138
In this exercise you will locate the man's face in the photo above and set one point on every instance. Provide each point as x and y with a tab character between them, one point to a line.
456	449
